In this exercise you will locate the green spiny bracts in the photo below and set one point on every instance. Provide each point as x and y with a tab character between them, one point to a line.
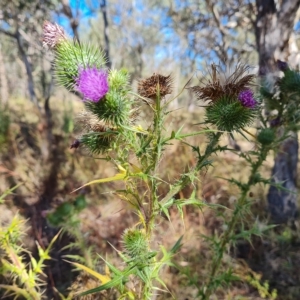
96	135
232	105
135	243
70	57
290	82
98	142
118	80
114	108
229	114
266	136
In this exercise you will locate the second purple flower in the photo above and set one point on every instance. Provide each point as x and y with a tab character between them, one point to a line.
247	99
92	83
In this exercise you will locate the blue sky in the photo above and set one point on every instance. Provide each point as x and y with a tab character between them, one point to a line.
87	9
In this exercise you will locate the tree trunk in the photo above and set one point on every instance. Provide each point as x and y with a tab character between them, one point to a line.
3	81
28	67
273	28
103	8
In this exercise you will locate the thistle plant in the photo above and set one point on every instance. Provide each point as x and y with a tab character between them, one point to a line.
109	127
282	97
24	280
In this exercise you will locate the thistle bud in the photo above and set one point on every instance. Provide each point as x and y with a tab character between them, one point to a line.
53	34
135	243
266	136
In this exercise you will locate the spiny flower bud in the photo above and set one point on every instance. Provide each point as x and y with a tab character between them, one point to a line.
135	243
96	135
92	84
229	115
53	34
156	85
266	136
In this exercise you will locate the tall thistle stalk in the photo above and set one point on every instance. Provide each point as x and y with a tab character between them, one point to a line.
239	212
282	96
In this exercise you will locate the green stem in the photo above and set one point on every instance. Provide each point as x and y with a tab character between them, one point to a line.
156	155
187	178
232	225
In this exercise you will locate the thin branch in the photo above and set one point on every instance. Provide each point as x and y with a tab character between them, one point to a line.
74	23
12	35
103	8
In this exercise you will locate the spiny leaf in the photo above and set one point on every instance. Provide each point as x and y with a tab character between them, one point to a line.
103	278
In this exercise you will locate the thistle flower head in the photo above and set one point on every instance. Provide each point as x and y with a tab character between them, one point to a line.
247	99
226	82
229	115
53	34
232	105
96	136
150	87
92	83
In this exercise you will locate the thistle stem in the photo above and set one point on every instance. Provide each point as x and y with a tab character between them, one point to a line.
156	155
225	240
249	133
186	179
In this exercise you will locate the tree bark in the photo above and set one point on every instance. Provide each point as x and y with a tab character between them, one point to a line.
28	67
103	8
3	81
273	28
74	23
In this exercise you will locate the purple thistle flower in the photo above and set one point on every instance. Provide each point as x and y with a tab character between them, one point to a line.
92	83
247	99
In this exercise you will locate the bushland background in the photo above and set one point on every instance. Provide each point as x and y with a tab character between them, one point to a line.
182	38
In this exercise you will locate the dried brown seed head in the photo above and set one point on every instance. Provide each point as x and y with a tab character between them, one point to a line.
228	82
150	87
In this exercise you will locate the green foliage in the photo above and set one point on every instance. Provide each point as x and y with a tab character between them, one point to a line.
263	288
290	82
66	211
24	280
4	124
283	98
